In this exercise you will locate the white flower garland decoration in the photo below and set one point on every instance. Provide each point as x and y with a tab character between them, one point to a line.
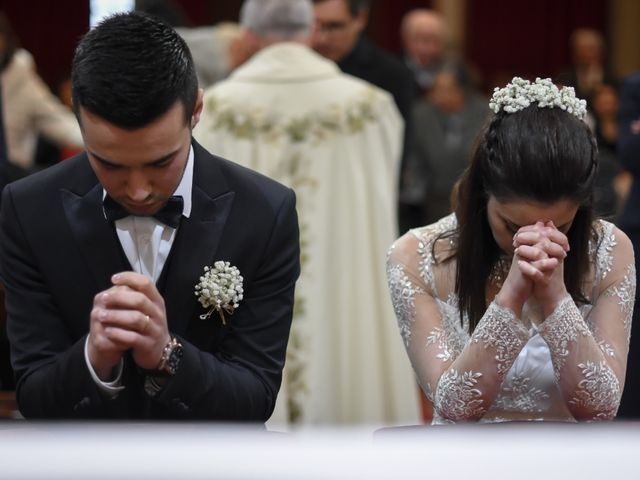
520	93
220	289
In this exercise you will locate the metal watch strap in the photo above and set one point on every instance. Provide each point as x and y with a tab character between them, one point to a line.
169	361
166	365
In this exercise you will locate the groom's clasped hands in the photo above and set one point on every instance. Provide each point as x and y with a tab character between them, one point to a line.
129	315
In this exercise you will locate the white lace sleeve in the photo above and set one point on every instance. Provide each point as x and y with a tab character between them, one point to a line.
590	355
460	375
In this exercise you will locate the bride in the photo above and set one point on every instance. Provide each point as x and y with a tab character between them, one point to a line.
518	305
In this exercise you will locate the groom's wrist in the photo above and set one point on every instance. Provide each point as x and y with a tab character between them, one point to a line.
154	380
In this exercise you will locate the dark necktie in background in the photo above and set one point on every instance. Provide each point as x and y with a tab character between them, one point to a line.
170	214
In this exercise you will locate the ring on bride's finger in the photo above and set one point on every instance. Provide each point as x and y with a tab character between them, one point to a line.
147	319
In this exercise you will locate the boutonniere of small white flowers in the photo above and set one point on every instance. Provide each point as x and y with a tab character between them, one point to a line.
220	289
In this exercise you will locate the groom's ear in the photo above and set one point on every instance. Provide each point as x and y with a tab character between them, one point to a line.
197	110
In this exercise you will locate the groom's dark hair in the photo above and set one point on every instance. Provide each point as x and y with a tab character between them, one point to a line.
131	69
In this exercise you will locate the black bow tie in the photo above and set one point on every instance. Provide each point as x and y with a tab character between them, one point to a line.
169	214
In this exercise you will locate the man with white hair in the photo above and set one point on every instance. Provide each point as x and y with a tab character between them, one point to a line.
336	140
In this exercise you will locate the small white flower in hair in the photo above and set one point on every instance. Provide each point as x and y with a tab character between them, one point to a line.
520	93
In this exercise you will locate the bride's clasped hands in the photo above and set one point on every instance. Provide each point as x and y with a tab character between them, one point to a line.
537	269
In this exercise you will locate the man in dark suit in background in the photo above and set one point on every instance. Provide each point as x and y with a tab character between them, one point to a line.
629	156
102	317
339	36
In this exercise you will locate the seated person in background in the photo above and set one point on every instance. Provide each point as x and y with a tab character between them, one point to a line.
101	254
30	109
446	126
518	305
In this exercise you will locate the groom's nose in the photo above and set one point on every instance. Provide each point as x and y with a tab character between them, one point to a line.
138	186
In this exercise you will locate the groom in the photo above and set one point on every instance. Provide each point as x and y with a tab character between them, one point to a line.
101	255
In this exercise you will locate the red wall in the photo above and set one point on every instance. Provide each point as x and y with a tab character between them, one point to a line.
49	30
503	37
528	38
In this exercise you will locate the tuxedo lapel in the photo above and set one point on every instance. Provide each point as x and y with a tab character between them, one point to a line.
96	238
196	242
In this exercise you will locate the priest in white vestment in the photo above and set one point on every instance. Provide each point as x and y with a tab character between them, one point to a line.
336	140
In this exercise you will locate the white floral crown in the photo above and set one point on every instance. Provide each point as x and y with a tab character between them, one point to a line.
520	93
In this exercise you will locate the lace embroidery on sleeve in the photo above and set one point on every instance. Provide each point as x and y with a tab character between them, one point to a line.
425	248
456	396
606	348
604	253
450	338
562	327
626	292
446	342
500	329
402	295
599	390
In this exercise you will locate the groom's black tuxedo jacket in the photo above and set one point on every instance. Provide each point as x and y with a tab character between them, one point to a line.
57	251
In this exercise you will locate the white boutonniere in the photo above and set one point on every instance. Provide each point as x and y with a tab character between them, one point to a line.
220	289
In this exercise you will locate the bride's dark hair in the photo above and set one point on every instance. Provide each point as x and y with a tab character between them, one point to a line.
537	154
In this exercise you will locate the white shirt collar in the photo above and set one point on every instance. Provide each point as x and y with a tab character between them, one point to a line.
185	187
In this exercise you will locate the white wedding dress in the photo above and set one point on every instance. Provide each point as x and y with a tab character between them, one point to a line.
567	367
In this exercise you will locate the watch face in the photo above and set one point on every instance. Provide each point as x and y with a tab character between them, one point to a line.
174	359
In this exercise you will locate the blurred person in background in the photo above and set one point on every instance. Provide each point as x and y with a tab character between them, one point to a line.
588	69
339	36
424	40
612	182
291	114
217	50
447	123
30	108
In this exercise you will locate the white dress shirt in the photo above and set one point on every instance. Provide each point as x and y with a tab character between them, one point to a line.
146	242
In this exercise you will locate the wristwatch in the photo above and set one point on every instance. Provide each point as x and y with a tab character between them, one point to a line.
171	356
154	380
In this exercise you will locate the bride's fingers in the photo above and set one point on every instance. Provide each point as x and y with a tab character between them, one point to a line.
552	249
529	271
549	238
532	234
530	237
544	249
556	236
530	253
546	265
